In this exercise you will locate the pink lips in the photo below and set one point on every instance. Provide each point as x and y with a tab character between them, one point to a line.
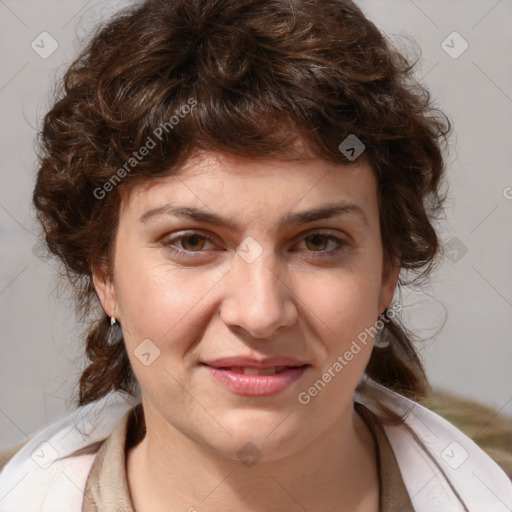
228	372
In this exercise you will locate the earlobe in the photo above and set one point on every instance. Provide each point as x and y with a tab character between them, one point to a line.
104	287
390	274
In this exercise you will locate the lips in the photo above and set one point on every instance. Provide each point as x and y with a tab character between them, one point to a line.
249	376
257	371
279	362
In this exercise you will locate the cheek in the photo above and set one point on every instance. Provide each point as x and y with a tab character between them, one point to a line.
347	297
157	301
345	309
349	309
160	306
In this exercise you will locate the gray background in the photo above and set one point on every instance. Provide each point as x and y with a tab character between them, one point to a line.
41	359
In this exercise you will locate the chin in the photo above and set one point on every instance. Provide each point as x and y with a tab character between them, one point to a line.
254	438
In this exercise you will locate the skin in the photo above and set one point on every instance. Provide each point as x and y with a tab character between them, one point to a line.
294	300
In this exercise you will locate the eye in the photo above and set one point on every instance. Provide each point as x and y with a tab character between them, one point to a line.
191	244
316	243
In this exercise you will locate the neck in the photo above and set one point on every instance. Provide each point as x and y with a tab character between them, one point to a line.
337	471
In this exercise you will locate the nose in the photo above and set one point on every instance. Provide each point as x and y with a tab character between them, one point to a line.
257	299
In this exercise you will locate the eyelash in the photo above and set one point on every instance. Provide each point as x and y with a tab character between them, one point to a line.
196	254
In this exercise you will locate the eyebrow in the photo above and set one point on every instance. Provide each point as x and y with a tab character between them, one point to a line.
326	211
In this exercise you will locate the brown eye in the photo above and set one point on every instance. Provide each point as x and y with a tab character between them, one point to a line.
187	245
192	242
318	242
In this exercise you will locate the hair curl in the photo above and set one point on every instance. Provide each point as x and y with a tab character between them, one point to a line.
264	73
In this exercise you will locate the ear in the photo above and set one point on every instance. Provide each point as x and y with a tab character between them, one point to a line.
390	273
104	287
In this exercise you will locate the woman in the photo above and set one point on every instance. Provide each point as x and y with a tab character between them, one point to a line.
242	186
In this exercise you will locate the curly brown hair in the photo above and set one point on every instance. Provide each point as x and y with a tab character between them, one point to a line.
264	74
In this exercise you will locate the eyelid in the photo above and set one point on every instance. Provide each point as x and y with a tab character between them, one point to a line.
342	243
185	234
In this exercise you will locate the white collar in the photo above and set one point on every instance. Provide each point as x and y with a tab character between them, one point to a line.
438	461
40	477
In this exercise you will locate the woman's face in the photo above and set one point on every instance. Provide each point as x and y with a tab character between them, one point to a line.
280	279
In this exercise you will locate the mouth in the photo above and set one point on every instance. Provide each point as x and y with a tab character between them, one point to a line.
257	371
251	381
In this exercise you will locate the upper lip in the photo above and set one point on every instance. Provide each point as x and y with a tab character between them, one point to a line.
249	362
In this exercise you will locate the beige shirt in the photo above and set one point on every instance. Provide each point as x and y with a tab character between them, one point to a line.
107	488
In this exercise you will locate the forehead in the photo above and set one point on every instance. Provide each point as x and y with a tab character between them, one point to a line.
243	186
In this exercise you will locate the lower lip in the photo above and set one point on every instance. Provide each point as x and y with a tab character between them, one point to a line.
256	385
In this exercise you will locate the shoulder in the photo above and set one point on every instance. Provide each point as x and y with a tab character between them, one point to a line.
56	488
490	430
49	471
7	453
440	464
